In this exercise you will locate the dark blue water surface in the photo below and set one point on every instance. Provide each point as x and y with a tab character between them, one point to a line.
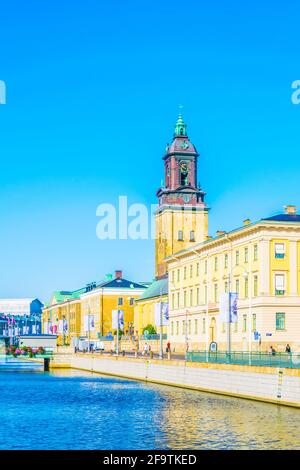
70	409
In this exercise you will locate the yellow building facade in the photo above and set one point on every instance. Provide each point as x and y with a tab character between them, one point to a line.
100	304
261	263
86	314
144	311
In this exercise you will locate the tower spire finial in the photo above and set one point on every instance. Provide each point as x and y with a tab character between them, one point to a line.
180	127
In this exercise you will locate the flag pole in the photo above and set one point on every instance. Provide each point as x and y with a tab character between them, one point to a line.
229	325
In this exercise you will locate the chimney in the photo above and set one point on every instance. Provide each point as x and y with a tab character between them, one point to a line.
118	274
290	209
220	232
247	222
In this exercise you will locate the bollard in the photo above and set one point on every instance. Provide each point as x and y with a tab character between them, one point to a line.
46	364
151	354
123	353
169	355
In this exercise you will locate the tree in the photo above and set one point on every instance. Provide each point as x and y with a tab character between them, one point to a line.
151	329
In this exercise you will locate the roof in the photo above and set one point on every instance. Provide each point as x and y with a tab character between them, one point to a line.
61	296
120	283
156	289
284	218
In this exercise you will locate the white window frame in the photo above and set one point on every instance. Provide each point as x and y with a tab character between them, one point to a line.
277	288
279	249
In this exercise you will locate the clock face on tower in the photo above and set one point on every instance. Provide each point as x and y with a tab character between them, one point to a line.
184	167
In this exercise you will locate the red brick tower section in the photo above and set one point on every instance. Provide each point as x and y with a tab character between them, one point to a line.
180	188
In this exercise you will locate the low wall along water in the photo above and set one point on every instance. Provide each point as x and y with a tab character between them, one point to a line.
269	384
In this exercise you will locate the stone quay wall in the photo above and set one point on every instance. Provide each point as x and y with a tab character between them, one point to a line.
268	384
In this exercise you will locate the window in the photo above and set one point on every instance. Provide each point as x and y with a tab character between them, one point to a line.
279	250
205	294
223	327
244	323
246	287
180	236
191	297
197	269
246	255
196	327
198	296
131	301
216	292
184	298
177	328
236	327
237	257
192	236
280	321
172	328
178	299
184	272
255	253
205	267
191	270
226	285
216	263
184	332
173	276
178	275
173	301
190	327
226	261
203	326
237	286
279	284
120	300
254	322
255	286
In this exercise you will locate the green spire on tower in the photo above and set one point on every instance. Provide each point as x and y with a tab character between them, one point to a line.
180	127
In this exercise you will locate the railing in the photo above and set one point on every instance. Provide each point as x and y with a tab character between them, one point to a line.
284	360
148	337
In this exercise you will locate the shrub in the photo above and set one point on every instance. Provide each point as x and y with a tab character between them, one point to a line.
151	329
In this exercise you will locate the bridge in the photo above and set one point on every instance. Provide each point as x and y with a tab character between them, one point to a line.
23	361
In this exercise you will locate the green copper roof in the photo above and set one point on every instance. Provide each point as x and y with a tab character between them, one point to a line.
156	289
180	127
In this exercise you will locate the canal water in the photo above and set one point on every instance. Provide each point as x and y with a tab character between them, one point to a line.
70	409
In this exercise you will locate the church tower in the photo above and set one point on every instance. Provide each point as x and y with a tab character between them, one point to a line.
182	215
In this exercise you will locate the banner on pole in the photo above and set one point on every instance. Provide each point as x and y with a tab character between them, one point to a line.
118	315
88	321
163	309
228	307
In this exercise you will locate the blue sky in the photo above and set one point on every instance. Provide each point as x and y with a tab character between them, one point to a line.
92	97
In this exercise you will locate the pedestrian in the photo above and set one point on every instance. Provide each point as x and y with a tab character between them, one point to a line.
272	351
168	347
288	349
146	349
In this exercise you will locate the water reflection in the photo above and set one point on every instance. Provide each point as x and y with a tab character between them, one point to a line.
207	421
81	410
